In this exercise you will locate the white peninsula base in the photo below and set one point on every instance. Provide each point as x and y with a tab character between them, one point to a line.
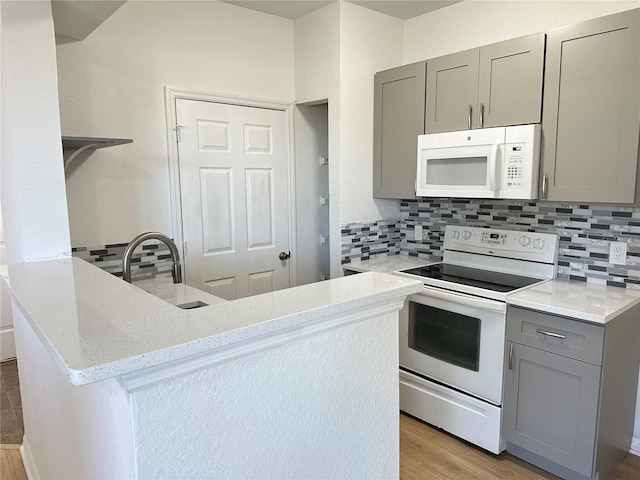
318	399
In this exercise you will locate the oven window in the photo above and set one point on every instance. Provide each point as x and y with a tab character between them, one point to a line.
447	336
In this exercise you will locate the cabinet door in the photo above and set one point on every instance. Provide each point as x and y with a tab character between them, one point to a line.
551	406
592	110
398	119
510	82
452	92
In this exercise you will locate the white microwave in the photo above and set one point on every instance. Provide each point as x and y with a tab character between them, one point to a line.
499	162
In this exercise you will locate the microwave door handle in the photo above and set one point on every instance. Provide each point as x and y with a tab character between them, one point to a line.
492	168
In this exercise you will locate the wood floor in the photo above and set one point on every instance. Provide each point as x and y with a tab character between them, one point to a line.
425	454
11	429
11	467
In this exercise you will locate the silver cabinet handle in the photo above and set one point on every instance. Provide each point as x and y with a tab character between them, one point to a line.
544	186
510	356
550	334
470	114
482	115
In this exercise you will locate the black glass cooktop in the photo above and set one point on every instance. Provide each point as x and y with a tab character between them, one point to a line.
473	277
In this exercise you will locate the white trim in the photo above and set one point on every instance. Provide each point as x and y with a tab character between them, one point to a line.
7	343
291	196
27	460
149	376
171	95
635	446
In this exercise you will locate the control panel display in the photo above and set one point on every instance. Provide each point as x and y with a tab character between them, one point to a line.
493	238
498	242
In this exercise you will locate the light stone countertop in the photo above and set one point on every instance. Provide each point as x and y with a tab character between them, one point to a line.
96	326
580	300
570	298
389	264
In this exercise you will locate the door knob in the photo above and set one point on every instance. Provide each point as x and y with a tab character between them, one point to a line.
284	255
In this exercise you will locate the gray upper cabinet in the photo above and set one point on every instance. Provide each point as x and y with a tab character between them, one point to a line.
495	85
510	82
592	110
452	91
398	119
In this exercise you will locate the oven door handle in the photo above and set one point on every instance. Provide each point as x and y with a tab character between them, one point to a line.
467	300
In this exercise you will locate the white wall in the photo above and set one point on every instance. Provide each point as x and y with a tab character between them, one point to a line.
34	207
473	23
111	85
338	50
317	55
369	42
7	342
85	432
324	406
317	77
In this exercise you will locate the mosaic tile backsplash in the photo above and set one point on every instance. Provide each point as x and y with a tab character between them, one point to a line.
151	259
584	230
362	241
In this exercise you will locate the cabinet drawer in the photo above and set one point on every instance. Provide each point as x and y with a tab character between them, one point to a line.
560	335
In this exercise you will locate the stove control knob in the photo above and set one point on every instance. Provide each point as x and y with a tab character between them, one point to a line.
538	243
525	240
466	234
455	234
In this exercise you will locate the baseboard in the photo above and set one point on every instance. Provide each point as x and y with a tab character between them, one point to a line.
635	446
27	460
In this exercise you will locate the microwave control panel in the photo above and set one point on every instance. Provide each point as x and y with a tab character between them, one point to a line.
514	158
521	157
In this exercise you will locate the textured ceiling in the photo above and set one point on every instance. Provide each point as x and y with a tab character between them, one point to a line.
76	19
403	9
282	8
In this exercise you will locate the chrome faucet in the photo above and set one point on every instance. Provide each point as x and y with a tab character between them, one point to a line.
176	270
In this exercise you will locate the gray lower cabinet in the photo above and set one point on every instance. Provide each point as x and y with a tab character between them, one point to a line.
398	119
569	391
494	85
557	399
592	110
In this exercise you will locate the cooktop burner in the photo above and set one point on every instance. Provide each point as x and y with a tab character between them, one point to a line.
473	277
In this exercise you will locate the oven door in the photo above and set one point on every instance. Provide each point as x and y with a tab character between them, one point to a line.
455	339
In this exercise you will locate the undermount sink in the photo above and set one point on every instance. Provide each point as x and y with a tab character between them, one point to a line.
177	294
191	305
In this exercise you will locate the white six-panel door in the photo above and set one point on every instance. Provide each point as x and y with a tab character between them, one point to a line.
234	187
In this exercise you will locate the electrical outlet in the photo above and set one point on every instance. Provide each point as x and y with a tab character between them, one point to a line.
417	234
618	253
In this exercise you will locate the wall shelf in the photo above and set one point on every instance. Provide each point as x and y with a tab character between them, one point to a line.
74	146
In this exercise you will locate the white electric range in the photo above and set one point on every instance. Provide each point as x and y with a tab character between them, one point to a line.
452	334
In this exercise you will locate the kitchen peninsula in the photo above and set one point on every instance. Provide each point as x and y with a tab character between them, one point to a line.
117	383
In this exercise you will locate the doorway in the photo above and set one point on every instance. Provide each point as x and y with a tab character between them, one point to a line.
312	191
233	176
